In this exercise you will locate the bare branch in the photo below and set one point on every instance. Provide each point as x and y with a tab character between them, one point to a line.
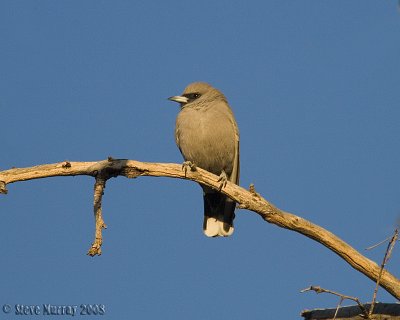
337	308
386	258
378	244
318	289
3	188
99	187
244	198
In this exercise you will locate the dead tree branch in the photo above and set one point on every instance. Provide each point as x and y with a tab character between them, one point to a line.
246	200
342	297
99	187
386	258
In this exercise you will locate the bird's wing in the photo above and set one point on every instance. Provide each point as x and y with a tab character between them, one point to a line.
236	162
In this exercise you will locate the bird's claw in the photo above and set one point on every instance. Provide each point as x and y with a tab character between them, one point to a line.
190	165
223	179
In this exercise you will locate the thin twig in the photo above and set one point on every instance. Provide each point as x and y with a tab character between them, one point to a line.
378	244
386	258
318	289
338	307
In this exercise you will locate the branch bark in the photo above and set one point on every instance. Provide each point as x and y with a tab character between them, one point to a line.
249	200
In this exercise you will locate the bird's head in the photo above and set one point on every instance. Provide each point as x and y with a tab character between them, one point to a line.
196	94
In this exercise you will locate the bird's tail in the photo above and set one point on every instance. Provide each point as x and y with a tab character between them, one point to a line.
219	212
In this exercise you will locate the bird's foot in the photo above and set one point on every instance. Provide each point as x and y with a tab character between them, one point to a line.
188	165
223	179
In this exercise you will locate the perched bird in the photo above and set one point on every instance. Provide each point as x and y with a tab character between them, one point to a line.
208	137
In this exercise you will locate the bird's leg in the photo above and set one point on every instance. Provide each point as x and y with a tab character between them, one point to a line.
190	165
223	178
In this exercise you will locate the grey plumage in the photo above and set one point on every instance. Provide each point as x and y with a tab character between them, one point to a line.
207	135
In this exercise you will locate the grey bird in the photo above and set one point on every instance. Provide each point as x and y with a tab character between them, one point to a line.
208	137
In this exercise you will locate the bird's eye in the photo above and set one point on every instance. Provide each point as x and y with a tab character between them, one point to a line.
192	96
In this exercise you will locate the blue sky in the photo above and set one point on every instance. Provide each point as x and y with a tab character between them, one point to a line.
314	86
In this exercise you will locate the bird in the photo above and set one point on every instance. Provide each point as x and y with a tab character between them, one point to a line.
207	136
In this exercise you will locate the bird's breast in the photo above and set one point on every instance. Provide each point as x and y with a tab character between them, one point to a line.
207	139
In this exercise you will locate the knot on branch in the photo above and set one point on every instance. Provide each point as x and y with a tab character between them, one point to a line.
107	169
66	165
253	191
317	289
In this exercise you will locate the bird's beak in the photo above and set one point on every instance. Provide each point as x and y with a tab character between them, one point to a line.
179	99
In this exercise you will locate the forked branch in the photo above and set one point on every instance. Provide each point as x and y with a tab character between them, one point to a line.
364	312
247	200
